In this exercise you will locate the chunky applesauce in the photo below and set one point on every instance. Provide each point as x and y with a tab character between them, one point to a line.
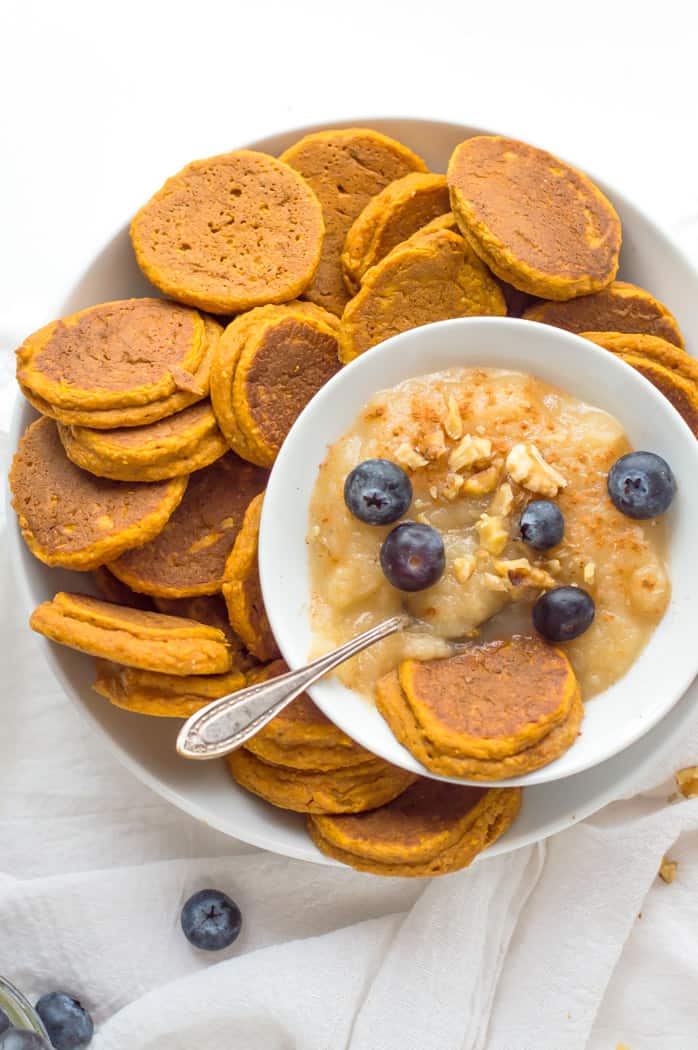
478	445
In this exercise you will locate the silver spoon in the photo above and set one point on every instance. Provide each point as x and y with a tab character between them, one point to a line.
227	723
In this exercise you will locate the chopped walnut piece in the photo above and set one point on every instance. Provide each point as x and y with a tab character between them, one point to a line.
453	423
433	444
521	573
469	451
407	456
421	519
687	781
433	492
493	535
589	572
554	565
526	465
503	500
483	482
463	568
495	583
452	486
668	869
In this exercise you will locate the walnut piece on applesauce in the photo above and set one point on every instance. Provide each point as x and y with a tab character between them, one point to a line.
526	465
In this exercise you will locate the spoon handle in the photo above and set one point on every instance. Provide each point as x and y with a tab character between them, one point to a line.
227	723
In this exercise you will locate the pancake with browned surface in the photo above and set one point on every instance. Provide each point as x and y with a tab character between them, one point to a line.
389	218
188	557
242	590
148	640
392	704
621	307
431	829
113	590
209	609
345	168
231	232
673	371
429	277
137	415
269	364
350	789
302	737
179	444
115	355
162	695
538	223
73	519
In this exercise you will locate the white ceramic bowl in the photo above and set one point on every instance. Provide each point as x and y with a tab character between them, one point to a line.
669	662
204	790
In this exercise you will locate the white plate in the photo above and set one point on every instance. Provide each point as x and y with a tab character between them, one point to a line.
146	746
669	662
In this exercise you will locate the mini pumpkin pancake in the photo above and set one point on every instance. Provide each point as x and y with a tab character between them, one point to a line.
162	695
230	232
209	609
671	370
113	590
432	828
429	277
392	704
269	364
179	444
490	701
242	590
621	307
349	789
538	223
389	218
130	352
132	636
137	415
73	519
188	557
302	737
345	169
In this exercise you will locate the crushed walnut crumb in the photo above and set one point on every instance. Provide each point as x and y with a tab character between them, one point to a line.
463	568
503	500
589	572
483	482
526	465
469	451
687	781
433	445
453	423
668	869
493	535
495	583
521	573
407	456
553	565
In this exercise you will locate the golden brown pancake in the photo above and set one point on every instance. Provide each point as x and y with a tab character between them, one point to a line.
349	789
148	640
345	168
538	223
113	590
269	364
230	232
209	609
73	519
242	590
429	277
162	695
621	307
389	218
432	828
188	556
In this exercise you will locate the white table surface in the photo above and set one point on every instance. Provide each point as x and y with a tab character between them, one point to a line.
100	102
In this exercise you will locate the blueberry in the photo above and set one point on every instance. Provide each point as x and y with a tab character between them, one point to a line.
22	1039
66	1020
563	613
5	1022
412	556
211	920
377	492
542	525
641	485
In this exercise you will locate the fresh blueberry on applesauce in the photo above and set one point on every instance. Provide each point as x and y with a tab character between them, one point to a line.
542	525
377	492
641	485
413	557
563	613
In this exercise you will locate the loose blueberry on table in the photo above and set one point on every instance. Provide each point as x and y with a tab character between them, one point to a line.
66	1020
542	525
412	556
377	492
211	920
641	485
22	1039
563	613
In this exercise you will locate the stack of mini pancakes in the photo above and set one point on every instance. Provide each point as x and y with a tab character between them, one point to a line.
159	423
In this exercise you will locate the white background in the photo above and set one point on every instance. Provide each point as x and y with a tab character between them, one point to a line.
98	104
